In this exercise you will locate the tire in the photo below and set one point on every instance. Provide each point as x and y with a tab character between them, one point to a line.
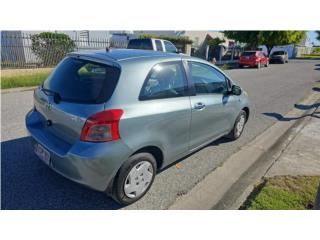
259	65
240	66
126	181
234	133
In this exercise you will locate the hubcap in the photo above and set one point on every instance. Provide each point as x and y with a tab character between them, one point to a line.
240	125
138	179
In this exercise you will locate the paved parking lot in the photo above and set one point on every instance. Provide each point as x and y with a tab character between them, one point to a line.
26	183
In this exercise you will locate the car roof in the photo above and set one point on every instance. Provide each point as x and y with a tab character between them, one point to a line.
139	39
125	54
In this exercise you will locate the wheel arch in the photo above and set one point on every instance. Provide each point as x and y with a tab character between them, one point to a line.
247	110
155	151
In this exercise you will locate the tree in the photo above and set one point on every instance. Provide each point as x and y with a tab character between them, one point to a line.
251	38
274	38
215	41
267	38
51	47
318	38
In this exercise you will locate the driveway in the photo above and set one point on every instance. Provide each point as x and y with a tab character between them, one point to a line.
26	183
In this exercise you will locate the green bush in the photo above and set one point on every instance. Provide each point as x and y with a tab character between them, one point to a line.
316	50
51	47
215	41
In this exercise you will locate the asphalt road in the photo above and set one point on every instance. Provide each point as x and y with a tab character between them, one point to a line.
26	183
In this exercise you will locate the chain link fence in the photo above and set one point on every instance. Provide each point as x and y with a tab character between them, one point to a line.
25	51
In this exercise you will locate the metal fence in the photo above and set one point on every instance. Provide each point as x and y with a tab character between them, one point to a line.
32	51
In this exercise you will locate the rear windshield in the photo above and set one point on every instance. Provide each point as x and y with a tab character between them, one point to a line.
83	81
248	54
278	53
140	44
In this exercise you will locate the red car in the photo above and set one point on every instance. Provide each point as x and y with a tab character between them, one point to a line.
253	59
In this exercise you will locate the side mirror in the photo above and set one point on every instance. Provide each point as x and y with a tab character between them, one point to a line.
236	90
178	51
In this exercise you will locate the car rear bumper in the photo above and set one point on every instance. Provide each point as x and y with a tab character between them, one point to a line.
90	164
248	63
277	59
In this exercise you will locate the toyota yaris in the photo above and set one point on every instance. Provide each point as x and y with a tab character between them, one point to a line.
111	119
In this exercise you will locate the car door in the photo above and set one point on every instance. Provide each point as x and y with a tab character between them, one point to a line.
211	107
164	110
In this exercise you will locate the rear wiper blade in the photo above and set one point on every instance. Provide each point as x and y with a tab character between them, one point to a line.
48	92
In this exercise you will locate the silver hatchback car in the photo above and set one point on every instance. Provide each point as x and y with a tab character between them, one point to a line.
111	119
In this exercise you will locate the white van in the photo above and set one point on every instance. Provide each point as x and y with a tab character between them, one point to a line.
152	44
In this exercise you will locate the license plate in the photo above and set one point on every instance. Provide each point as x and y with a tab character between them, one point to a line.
42	153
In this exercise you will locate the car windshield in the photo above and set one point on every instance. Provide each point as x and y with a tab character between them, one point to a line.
82	81
279	53
248	54
144	44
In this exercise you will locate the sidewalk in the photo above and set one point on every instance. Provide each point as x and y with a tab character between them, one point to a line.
302	156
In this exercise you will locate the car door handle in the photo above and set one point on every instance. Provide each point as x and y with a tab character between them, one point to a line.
199	106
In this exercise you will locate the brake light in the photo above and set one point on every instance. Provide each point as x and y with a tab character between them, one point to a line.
102	126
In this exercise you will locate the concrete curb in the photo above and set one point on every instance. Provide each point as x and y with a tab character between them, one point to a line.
228	186
20	89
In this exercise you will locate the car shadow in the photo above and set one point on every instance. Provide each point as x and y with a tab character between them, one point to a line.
304	107
316	89
27	183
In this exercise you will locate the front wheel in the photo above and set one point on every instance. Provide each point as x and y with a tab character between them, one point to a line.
134	178
238	127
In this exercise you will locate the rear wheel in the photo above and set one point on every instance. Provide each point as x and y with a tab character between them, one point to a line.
259	65
240	66
238	127
134	178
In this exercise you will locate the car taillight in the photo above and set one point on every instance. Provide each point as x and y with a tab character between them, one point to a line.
102	126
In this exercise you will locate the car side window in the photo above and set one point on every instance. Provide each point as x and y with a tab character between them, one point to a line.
159	45
165	80
206	79
170	47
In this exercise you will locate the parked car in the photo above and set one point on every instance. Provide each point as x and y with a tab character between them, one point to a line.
152	44
111	120
253	59
279	56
